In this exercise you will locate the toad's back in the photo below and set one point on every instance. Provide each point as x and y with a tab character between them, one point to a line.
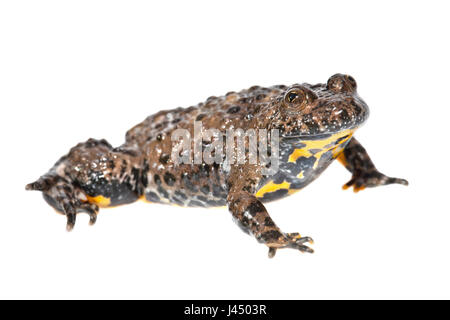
193	184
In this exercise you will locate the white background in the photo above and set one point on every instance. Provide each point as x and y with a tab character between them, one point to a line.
70	70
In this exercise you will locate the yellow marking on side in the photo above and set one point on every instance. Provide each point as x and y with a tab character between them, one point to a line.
143	198
101	201
272	187
300	175
292	191
322	145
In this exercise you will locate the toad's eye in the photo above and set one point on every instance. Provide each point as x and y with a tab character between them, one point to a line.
299	96
291	96
294	96
341	83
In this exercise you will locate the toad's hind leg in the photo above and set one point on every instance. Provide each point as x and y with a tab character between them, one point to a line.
93	174
252	217
364	173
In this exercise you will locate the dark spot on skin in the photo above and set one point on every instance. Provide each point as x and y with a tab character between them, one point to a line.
234	109
157	179
161	125
174	121
144	179
188	183
305	163
205	189
260	97
152	197
268	222
278	178
177	201
164	158
217	190
180	195
169	179
163	192
159	137
144	173
204	169
249	117
111	164
135	173
344	115
255	207
200	117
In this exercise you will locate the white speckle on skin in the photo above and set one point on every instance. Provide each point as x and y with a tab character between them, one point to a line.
60	169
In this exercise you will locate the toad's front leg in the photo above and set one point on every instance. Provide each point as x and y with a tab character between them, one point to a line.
253	218
364	173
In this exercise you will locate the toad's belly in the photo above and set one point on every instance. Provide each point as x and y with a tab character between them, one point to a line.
301	162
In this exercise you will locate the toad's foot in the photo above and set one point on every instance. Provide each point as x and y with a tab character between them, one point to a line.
65	198
293	241
362	180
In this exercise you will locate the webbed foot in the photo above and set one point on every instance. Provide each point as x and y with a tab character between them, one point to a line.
362	180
